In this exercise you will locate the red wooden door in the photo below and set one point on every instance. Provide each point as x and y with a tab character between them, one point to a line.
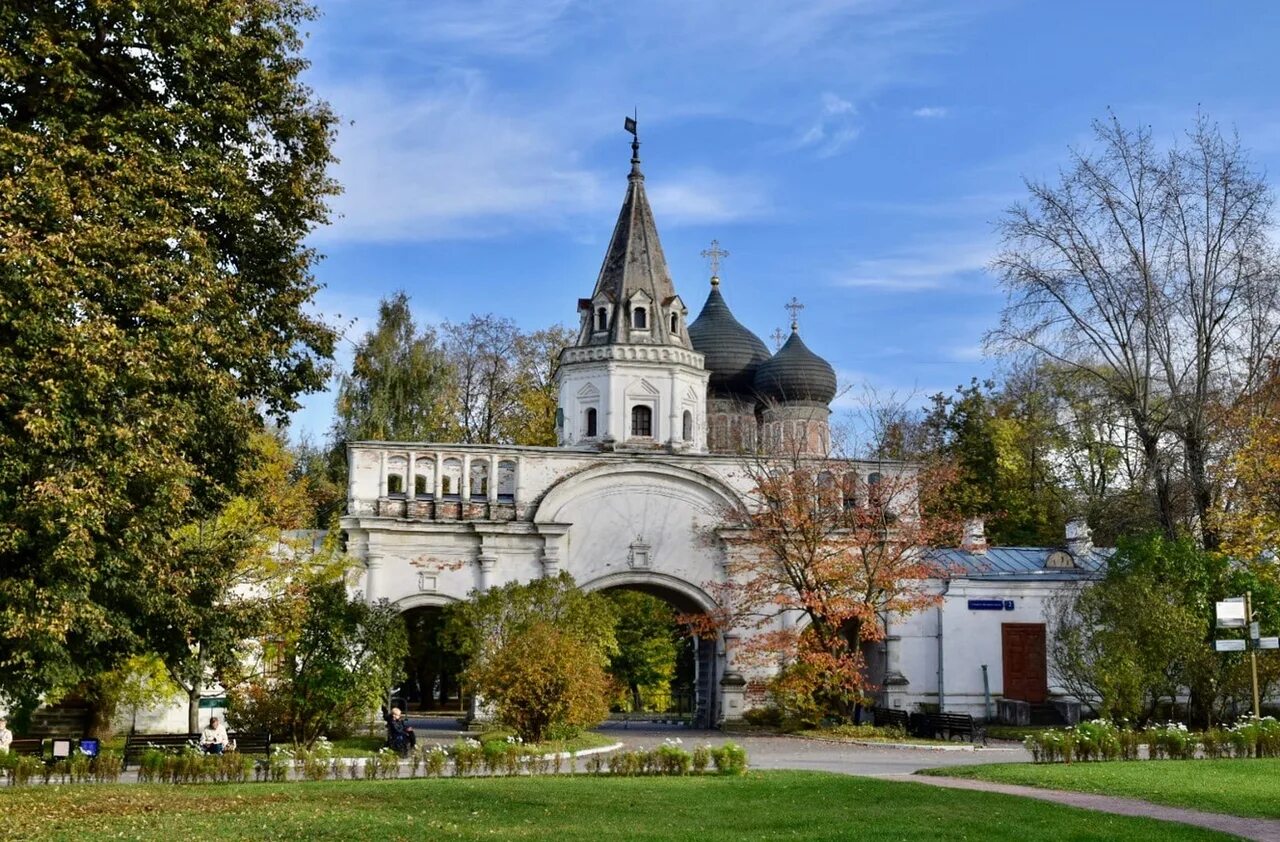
1026	672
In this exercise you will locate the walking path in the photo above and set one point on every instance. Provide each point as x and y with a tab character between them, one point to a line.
1265	830
894	763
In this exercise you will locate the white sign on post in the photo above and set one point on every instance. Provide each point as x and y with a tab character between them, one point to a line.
1269	643
1228	645
1231	613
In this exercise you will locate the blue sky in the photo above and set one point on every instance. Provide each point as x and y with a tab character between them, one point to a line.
852	153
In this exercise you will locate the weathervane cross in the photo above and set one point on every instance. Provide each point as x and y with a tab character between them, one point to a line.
715	254
794	307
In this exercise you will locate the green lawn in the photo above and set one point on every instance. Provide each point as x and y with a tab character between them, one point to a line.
761	805
1237	787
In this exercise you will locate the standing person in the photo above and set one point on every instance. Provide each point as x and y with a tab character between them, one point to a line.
6	736
214	738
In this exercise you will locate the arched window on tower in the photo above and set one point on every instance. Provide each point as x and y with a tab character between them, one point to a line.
641	422
591	423
688	426
640	318
602	319
675	324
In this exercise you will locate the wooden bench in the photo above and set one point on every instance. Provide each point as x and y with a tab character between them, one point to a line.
948	725
891	718
245	743
29	746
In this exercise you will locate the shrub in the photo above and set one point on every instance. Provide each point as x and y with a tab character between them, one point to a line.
467	756
672	759
542	679
730	759
434	761
701	759
494	753
766	717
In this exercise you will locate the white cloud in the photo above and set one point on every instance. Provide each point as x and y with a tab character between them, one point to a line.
703	196
930	267
931	112
835	127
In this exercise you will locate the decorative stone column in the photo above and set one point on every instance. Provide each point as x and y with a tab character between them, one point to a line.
487	563
733	686
372	574
552	543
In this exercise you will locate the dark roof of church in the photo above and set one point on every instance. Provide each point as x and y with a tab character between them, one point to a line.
633	263
796	374
732	352
1020	563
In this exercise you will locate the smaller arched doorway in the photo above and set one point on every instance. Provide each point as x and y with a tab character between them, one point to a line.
694	688
430	682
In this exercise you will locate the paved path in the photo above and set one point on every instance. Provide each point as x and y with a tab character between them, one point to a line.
1266	830
902	763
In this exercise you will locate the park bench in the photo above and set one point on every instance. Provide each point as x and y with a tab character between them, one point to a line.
29	746
891	718
949	725
245	743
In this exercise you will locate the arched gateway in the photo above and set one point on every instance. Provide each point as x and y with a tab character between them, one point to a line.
610	523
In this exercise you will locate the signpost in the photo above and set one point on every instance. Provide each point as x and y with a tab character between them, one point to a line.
1237	613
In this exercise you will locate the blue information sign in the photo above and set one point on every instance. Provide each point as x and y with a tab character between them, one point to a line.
991	605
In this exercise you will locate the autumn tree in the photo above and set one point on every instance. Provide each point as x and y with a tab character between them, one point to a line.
558	683
1150	272
161	165
818	558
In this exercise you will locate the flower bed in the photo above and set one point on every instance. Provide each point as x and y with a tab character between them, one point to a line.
1103	740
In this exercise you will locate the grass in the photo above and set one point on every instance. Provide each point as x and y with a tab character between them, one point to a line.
761	805
1235	787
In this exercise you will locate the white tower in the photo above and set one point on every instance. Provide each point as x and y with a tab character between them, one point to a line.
633	379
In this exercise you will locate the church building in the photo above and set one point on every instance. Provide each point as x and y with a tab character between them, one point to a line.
654	412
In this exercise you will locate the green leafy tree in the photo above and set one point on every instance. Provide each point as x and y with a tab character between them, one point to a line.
647	645
160	167
399	385
330	658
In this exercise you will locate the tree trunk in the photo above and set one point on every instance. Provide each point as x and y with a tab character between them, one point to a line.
636	704
1201	491
193	709
1159	479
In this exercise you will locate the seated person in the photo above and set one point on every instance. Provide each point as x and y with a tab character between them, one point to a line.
399	735
214	738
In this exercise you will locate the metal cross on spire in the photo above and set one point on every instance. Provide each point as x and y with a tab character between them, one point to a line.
715	254
777	337
794	307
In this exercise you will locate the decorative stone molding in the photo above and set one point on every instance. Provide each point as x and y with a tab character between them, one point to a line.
639	557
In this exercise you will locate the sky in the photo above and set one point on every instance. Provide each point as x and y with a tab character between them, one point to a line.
854	154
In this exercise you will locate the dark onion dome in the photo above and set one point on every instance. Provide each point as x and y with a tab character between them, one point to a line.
796	374
732	352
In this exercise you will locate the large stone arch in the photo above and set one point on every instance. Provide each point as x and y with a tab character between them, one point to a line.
567	489
423	600
686	595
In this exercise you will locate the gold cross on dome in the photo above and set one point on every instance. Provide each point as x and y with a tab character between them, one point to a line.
715	254
794	307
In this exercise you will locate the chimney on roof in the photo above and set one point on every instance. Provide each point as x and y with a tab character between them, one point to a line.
975	536
1079	537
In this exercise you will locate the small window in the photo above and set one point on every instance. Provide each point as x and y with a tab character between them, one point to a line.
640	318
641	422
479	480
507	481
395	484
446	485
420	486
688	424
591	423
675	324
602	319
